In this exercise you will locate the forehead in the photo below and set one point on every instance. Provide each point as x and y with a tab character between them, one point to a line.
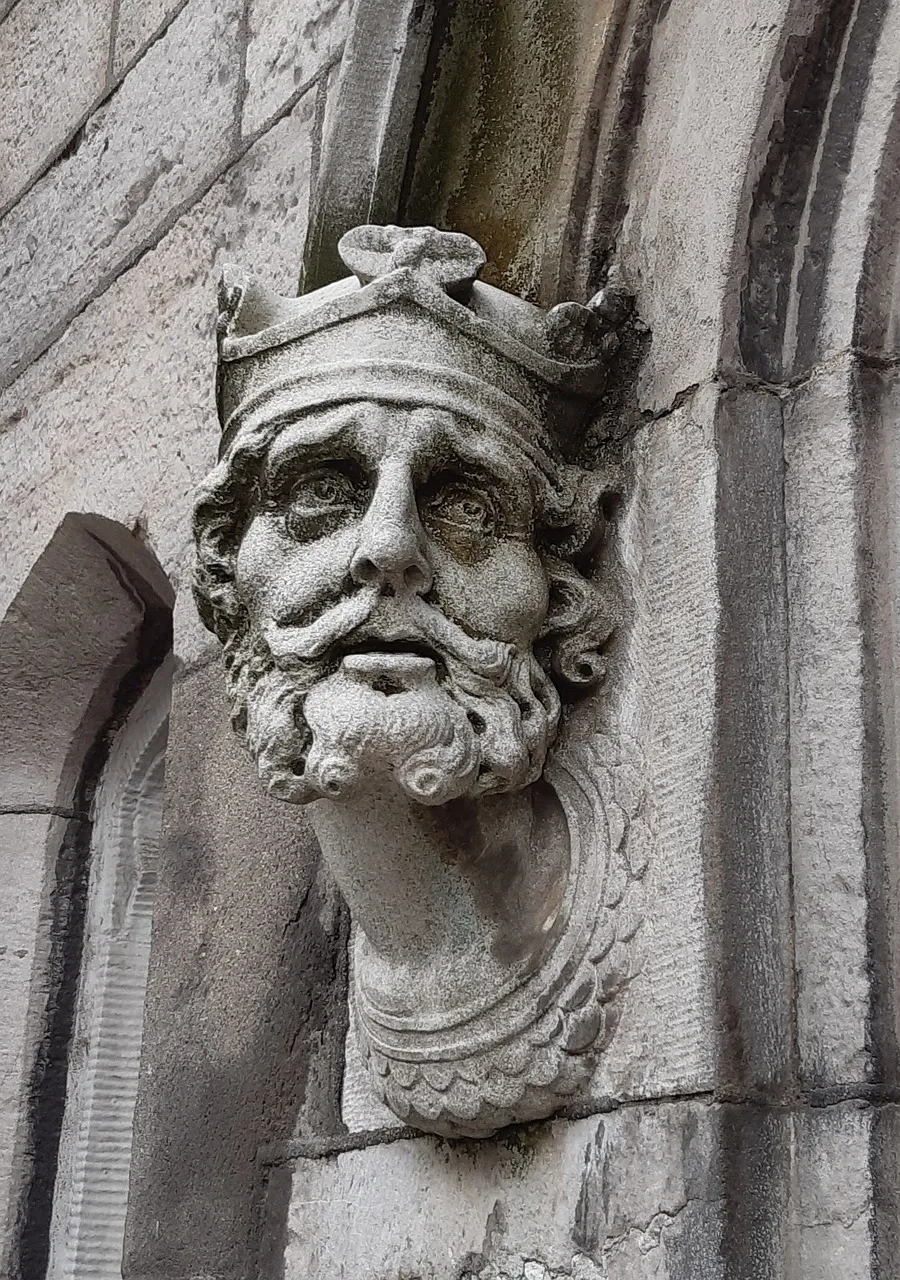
373	432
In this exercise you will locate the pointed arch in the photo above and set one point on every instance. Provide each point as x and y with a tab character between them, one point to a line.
79	643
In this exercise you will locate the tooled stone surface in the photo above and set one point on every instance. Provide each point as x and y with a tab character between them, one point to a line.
401	564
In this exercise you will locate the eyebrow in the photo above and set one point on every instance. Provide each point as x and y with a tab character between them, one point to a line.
310	434
487	450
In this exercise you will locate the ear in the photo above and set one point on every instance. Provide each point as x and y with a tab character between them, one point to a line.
573	524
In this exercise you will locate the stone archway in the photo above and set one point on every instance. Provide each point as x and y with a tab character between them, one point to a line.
810	337
80	641
91	1192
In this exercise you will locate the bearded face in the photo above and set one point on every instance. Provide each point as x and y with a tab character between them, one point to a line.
406	696
390	610
393	596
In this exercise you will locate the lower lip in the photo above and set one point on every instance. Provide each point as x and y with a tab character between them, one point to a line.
403	665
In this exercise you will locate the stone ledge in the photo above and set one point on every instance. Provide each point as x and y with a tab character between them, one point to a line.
691	1191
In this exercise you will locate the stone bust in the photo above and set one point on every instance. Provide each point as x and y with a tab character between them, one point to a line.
397	558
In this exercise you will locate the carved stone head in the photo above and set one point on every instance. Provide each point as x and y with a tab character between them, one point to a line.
395	550
392	545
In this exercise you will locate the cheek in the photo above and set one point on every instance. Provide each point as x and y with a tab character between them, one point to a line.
505	596
275	575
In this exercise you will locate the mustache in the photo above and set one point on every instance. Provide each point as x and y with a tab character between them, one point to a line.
367	614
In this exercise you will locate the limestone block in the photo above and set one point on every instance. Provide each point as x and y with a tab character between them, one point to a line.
119	416
144	156
137	24
879	398
854	204
828	731
381	72
706	87
620	1197
749	902
28	845
66	643
843	506
832	1210
51	72
664	1042
288	43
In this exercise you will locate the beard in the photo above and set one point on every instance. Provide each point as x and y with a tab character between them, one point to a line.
378	691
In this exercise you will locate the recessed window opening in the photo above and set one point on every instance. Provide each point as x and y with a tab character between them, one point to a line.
88	1225
85	678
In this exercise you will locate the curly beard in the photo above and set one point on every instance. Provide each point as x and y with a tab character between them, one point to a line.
448	716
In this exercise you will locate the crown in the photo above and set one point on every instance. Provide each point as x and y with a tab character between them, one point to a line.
413	324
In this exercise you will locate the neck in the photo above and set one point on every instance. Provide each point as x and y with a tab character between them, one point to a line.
453	900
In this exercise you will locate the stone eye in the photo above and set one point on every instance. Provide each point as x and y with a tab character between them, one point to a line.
462	517
327	490
322	499
460	507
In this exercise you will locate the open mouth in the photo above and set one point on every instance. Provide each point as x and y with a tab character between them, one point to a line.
392	666
416	647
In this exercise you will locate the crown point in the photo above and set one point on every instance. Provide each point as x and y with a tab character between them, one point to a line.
232	285
445	258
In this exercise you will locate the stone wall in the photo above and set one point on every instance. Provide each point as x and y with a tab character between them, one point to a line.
198	143
144	144
743	1125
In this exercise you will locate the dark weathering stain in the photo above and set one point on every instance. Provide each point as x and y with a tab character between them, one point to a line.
791	179
47	1086
593	1197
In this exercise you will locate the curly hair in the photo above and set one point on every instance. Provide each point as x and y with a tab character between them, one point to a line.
569	532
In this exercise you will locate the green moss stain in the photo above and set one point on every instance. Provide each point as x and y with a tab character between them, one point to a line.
498	153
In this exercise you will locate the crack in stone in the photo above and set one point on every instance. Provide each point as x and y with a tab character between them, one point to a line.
654	1227
273	1154
783	390
530	1268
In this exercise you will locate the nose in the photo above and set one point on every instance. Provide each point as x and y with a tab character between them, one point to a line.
391	550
